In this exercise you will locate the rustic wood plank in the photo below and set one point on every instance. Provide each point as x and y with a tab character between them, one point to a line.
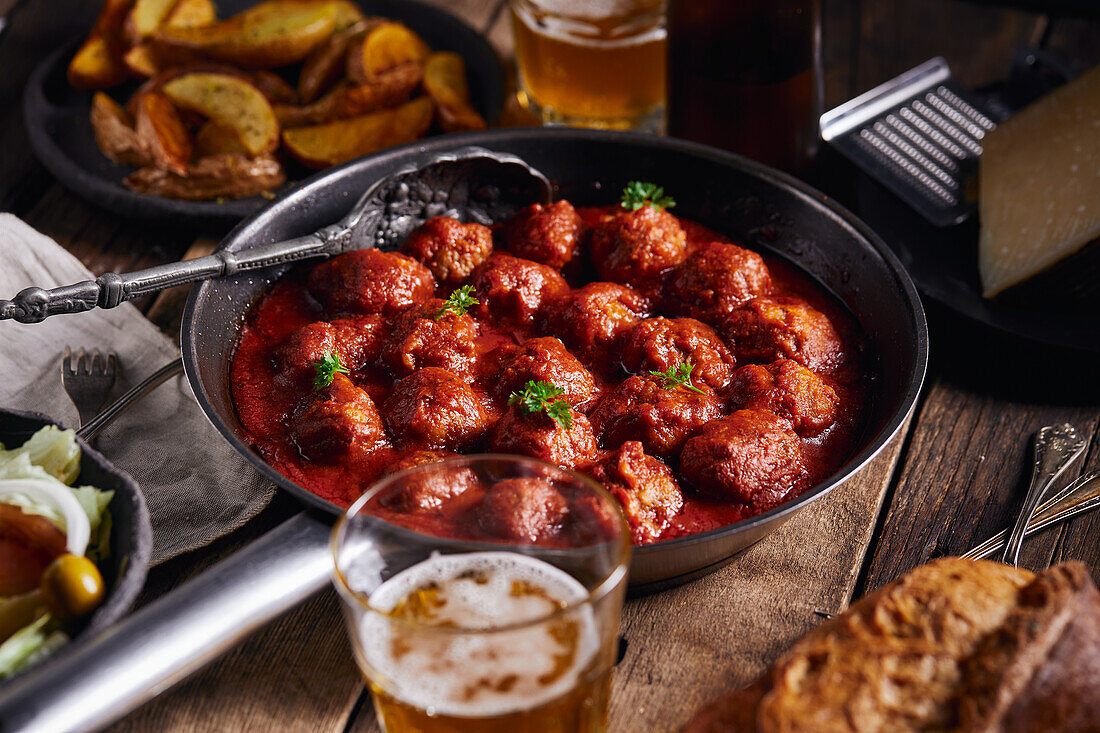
35	29
966	474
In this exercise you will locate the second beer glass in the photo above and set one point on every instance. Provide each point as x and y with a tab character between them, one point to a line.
477	619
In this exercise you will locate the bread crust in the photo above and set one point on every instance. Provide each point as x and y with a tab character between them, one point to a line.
955	645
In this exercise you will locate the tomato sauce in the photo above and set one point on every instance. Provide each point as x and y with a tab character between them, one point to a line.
264	406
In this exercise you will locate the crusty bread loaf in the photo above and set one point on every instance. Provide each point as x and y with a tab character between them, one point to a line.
955	645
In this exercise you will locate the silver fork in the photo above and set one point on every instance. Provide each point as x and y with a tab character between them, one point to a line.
88	383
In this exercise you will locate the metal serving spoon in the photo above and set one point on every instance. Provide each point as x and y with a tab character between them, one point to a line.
471	184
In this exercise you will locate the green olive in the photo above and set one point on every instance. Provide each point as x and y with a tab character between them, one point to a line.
71	586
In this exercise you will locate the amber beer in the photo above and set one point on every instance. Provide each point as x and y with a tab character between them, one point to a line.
471	642
592	63
745	75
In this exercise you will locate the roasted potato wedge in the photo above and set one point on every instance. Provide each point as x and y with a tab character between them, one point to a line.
145	17
213	138
230	101
161	131
114	132
386	46
230	175
347	13
141	60
191	14
353	100
445	83
319	146
324	67
265	36
98	63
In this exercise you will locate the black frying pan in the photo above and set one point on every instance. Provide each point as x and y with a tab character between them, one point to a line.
725	192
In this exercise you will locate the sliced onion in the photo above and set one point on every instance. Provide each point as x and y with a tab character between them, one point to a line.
57	495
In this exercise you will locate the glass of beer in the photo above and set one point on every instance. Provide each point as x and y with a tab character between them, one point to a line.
592	63
483	594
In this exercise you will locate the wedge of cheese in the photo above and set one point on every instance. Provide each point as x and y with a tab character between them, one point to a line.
1039	178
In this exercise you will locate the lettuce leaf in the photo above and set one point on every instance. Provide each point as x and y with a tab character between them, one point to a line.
30	645
52	449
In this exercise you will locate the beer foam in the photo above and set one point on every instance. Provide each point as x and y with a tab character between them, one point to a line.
486	672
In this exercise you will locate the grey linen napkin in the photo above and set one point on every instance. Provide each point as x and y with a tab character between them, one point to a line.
198	488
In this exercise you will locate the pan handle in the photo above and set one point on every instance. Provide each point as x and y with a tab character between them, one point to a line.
35	304
94	685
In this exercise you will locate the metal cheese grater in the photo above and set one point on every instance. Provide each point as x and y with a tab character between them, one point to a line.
920	135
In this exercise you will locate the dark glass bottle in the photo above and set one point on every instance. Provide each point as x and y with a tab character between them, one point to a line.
745	75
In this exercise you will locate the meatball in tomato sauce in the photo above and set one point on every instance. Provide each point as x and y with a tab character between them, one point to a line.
638	247
449	248
788	389
525	509
539	436
339	422
513	292
436	408
542	359
550	234
357	341
661	419
426	491
591	320
751	457
370	281
427	336
714	280
766	329
660	344
644	486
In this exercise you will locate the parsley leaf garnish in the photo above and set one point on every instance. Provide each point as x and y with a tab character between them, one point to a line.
543	397
325	370
678	376
640	193
458	302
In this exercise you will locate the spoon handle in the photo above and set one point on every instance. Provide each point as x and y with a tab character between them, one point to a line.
35	304
1056	447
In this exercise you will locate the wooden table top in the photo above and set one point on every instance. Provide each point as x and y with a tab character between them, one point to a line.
954	475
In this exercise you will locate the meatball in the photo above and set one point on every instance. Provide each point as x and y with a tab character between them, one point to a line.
423	337
638	247
715	279
660	344
539	436
436	408
788	389
335	422
543	360
513	291
661	419
767	329
548	234
428	490
644	486
449	248
357	341
751	457
593	318
525	509
370	281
